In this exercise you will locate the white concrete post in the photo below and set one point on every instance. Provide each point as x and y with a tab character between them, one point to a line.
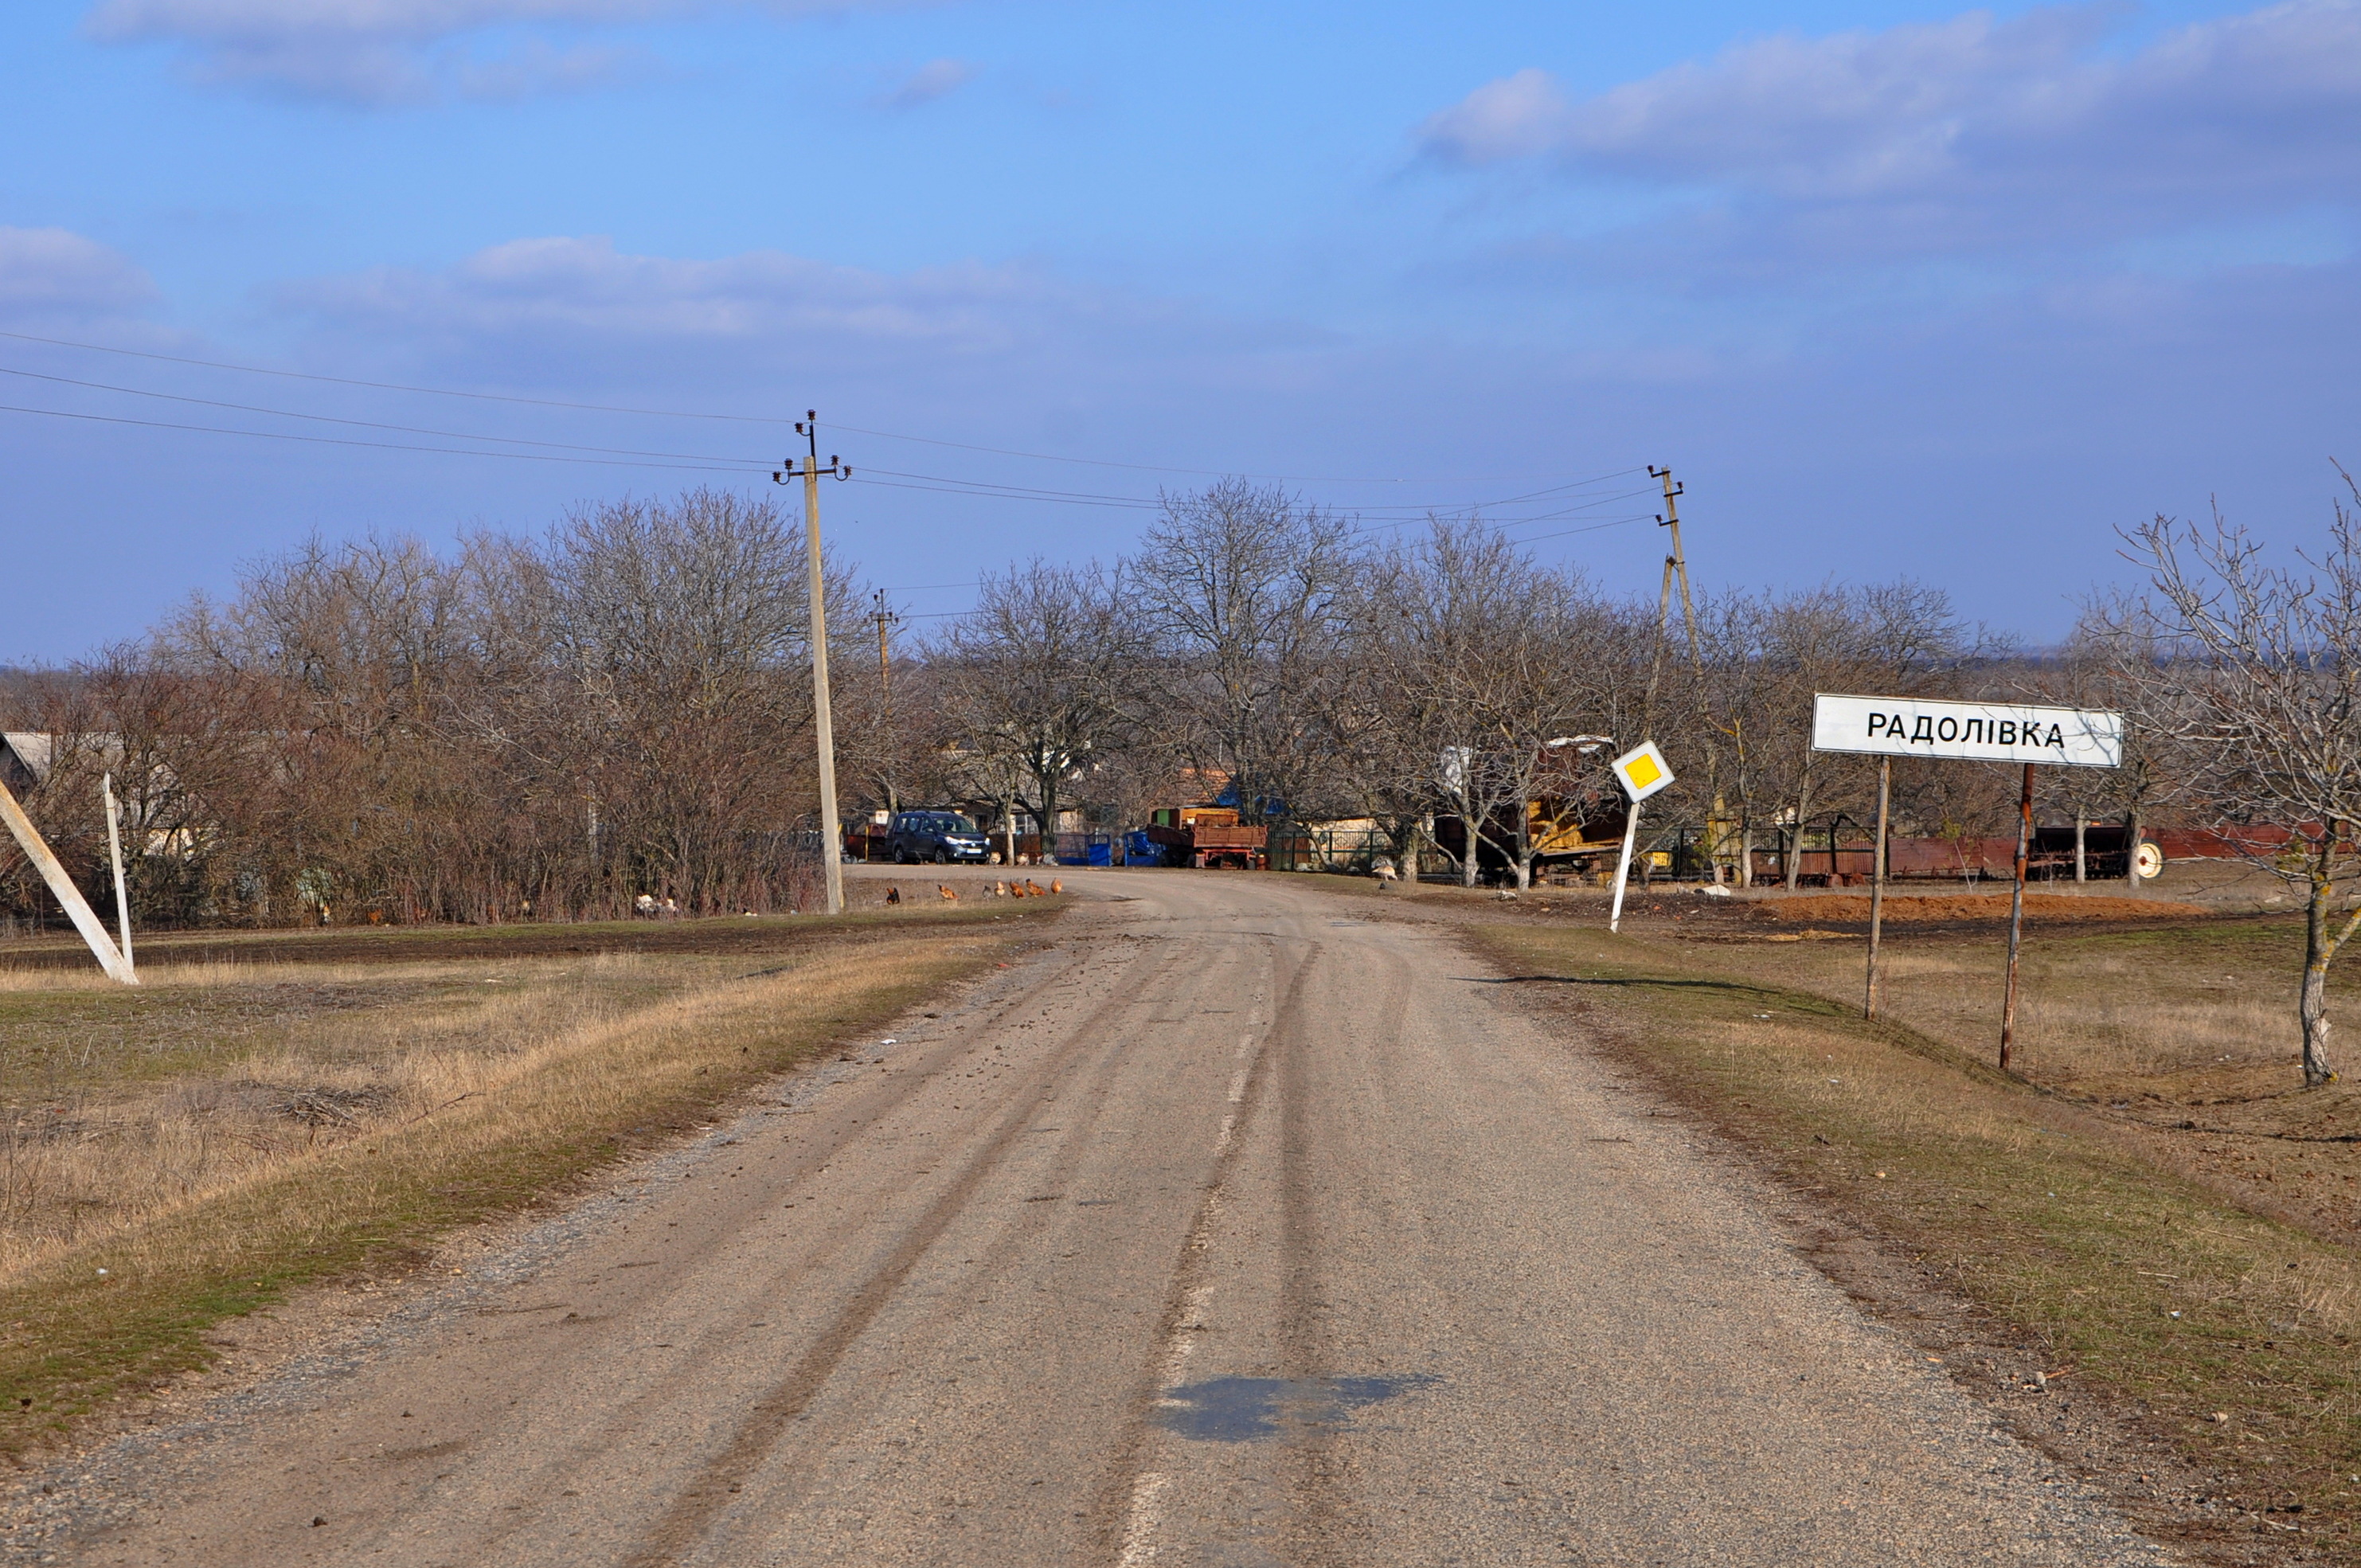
28	839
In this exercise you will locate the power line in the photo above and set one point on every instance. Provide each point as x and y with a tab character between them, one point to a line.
592	456
1156	467
945	483
349	440
374	424
390	386
686	413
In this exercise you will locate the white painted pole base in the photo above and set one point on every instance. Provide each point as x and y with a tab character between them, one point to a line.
1623	869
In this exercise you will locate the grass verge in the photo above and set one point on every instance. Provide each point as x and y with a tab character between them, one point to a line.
2227	1334
118	1311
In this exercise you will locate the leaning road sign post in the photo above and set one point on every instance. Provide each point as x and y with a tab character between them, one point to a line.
2024	733
1642	771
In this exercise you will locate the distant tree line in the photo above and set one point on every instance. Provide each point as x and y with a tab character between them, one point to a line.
558	726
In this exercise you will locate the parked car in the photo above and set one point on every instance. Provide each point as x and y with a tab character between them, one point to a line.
941	836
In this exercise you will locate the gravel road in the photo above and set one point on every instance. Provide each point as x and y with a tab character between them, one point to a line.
1240	1228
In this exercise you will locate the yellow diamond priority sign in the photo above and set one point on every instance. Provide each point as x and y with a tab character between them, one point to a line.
1643	770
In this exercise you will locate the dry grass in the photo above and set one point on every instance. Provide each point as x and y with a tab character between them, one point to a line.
2183	1035
227	1131
2062	1213
119	1129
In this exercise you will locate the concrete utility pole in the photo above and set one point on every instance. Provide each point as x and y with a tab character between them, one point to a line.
832	831
115	854
1677	565
885	619
86	921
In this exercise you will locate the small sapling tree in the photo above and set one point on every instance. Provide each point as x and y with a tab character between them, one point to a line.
2258	671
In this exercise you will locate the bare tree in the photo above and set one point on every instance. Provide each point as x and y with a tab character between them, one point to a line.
1471	659
1241	589
2260	669
1772	652
1039	681
684	630
2100	667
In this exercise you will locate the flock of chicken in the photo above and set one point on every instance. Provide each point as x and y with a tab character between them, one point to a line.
1028	888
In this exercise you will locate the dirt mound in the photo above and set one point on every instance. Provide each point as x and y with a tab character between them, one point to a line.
1919	908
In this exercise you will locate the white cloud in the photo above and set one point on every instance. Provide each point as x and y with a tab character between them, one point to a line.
1938	137
380	52
935	79
58	277
552	300
1515	116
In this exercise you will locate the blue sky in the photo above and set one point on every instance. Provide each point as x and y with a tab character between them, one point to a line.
1894	288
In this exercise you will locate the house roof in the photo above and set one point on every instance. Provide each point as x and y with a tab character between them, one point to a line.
28	750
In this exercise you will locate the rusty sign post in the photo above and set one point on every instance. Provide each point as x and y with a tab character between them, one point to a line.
1891	727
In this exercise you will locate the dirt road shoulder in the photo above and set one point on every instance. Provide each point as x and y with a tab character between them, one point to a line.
2191	1358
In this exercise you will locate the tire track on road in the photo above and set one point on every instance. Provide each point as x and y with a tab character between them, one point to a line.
1126	1503
840	1127
692	1515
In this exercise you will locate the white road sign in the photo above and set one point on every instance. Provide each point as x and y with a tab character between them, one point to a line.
1643	770
1967	732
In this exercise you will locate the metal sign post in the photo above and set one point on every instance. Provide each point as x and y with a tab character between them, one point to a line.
1877	885
2024	733
1642	771
2016	916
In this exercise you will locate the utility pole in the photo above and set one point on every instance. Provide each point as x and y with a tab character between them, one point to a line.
1677	565
832	831
885	618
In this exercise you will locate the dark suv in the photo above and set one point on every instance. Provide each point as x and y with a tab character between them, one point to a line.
934	835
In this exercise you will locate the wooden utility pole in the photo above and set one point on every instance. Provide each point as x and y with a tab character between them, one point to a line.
832	831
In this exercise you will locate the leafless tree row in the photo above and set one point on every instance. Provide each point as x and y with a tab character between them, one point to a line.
622	707
371	731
